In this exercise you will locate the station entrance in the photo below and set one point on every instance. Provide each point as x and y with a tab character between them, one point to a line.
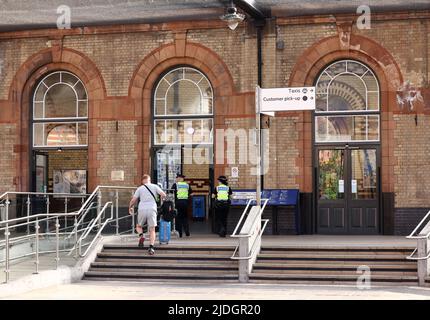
59	139
183	139
347	150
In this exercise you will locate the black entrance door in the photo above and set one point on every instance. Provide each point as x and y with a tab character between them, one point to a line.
347	190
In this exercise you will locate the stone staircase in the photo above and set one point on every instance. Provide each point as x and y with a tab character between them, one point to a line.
275	264
330	265
171	263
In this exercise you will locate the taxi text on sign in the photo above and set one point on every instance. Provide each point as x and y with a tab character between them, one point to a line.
286	99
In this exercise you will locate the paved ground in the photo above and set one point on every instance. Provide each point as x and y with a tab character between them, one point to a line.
92	290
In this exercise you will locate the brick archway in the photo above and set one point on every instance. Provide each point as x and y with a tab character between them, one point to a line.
363	49
314	60
145	77
22	86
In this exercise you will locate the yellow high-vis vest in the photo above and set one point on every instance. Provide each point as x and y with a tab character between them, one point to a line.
182	190
222	192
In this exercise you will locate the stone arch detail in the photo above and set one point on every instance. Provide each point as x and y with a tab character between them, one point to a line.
20	91
305	72
146	75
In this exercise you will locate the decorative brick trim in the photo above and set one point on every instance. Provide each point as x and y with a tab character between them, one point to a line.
363	49
181	52
20	90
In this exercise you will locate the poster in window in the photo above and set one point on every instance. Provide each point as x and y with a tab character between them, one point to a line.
40	179
70	181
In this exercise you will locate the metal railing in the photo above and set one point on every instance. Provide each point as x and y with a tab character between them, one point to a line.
91	227
420	236
248	251
421	253
38	218
85	222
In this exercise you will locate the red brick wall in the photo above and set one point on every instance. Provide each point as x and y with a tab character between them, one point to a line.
120	65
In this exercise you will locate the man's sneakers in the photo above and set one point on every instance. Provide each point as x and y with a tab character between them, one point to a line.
141	241
151	250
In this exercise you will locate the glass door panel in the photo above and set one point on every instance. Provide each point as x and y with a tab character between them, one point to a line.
331	182
169	164
363	174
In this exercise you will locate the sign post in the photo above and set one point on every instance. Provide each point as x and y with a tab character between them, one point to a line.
268	101
258	142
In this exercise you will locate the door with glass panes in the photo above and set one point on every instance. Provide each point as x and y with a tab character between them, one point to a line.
346	149
347	184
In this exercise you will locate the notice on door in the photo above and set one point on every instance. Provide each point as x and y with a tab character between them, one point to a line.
341	186
353	186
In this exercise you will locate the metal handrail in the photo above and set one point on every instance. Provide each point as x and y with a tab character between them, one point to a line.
91	226
253	245
80	221
411	235
241	217
61	195
418	237
35	216
36	219
248	235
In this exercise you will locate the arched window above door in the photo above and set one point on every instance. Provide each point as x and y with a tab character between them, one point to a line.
183	108
347	103
183	91
60	111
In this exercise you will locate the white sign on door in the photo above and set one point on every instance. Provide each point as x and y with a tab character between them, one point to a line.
341	186
353	186
287	99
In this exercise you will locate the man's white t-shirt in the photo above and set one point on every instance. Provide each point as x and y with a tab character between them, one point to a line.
145	197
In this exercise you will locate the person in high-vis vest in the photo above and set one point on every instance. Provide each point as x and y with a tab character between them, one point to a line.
183	192
222	193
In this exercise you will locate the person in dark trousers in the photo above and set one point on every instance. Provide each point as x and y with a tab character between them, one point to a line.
222	194
183	192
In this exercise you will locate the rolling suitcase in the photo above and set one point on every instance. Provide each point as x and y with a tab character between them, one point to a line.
164	232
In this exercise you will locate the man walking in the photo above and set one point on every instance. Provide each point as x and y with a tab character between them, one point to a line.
182	195
147	211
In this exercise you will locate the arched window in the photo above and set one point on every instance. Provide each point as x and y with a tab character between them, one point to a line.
60	111
183	108
347	103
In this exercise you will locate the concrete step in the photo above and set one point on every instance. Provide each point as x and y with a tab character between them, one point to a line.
332	249
163	266
334	272
169	271
332	267
133	275
330	257
329	279
159	250
155	261
335	253
162	256
174	248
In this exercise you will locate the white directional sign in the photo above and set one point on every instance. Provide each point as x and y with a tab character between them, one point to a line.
287	99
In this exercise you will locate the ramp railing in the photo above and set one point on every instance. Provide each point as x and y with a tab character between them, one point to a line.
34	220
421	253
249	238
